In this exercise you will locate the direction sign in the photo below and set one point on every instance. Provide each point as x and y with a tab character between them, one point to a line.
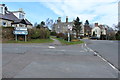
21	28
20	32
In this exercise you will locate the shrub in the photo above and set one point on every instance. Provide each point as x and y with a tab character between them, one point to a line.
117	35
53	33
36	34
7	33
112	38
60	35
65	36
41	33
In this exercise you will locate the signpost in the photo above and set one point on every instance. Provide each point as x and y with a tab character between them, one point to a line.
20	31
69	29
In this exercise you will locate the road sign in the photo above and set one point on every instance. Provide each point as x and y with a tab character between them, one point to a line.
21	28
20	32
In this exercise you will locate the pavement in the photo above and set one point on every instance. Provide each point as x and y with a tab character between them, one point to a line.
53	60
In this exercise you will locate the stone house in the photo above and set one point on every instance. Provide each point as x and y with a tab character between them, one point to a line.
13	18
63	27
87	30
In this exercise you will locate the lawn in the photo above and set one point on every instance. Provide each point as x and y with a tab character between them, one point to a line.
32	41
64	42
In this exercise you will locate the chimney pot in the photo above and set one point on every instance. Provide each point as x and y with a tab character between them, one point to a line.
66	19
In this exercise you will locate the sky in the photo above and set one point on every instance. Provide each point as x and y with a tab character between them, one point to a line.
101	11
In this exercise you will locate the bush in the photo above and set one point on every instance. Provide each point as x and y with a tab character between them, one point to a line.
39	33
53	33
7	33
112	38
65	36
117	35
36	34
42	33
60	35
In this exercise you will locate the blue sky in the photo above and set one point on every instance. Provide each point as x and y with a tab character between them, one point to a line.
101	11
35	12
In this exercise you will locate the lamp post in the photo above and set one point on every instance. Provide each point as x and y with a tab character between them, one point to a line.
69	29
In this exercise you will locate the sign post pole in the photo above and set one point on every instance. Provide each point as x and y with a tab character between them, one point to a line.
16	37
25	38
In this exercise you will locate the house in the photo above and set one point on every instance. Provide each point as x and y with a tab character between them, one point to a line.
87	31
13	18
99	30
63	27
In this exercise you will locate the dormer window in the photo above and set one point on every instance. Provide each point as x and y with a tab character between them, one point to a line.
21	16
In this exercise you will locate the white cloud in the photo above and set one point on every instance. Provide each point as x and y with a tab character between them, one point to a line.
103	11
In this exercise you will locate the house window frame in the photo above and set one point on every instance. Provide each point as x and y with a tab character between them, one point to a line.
4	23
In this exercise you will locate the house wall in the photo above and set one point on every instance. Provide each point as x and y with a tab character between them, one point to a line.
97	31
29	26
8	23
103	31
62	27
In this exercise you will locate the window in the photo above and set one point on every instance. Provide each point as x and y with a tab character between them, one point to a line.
96	30
4	23
21	16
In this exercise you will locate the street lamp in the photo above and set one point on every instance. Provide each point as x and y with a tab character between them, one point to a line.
69	29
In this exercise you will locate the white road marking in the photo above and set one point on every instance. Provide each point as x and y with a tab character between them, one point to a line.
103	59
51	47
82	51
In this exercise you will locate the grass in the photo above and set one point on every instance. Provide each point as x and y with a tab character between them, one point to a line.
64	42
32	41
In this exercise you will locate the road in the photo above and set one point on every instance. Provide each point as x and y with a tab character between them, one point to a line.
106	48
53	61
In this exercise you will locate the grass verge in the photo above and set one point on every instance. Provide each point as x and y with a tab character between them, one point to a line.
64	42
32	41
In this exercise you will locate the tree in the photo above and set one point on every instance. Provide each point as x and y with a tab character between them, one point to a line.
77	26
87	23
42	24
49	23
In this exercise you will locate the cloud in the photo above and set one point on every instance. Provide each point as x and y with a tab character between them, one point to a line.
103	11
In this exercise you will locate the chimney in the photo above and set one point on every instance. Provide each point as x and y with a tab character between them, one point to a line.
2	8
96	24
66	19
20	9
59	19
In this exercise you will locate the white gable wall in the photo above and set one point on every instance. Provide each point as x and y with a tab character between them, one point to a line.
97	31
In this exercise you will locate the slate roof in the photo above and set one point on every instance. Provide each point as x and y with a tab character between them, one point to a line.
23	21
11	17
